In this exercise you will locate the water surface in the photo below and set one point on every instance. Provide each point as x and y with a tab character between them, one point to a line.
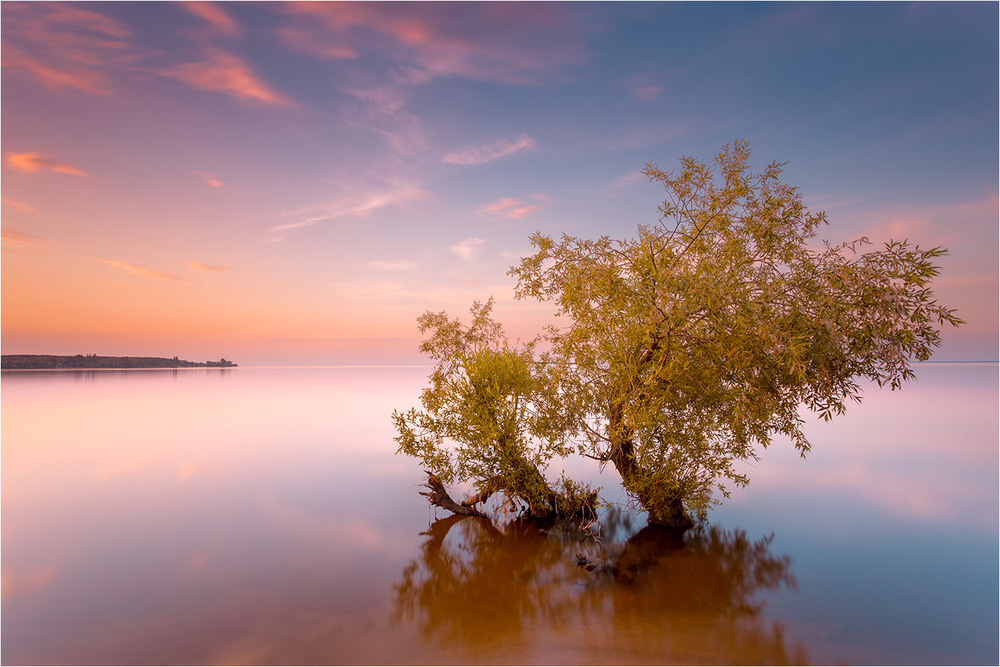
259	515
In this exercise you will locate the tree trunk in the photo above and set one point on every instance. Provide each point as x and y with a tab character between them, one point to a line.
664	505
553	506
671	515
437	495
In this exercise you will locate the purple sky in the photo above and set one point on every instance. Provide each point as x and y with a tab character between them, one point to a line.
296	183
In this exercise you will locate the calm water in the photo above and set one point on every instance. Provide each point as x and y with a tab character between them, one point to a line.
260	516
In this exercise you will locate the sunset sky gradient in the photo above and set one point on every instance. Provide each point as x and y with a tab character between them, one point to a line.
286	183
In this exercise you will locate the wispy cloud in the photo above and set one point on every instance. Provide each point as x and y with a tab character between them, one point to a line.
215	16
401	265
210	179
413	44
650	134
624	182
479	41
64	45
15	241
144	272
963	225
433	294
358	204
35	162
19	205
643	87
468	249
514	208
483	153
198	266
384	112
226	73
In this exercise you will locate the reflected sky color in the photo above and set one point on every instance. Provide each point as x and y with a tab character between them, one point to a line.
259	515
294	183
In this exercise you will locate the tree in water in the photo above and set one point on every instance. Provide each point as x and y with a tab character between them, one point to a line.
481	422
687	347
698	340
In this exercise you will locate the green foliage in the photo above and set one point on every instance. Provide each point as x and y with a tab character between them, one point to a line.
478	420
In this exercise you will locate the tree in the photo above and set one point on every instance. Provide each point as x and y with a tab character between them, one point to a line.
480	421
697	341
687	348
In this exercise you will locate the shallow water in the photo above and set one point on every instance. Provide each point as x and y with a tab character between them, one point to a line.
259	515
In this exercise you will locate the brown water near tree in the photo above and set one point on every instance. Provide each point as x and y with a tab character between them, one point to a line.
512	595
259	516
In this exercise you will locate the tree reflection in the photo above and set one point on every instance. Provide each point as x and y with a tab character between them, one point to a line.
513	593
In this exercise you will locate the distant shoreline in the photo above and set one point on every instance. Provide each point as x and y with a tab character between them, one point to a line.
94	361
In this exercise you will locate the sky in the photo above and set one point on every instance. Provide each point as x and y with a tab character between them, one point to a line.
295	183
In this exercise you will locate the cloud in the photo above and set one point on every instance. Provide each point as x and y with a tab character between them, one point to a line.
357	204
483	153
455	294
480	41
402	265
413	44
302	223
649	134
513	208
210	179
143	272
225	73
628	180
35	162
969	223
65	46
468	249
642	87
19	206
14	241
198	266
16	583
215	16
385	113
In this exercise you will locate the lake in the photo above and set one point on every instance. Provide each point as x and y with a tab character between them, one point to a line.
260	516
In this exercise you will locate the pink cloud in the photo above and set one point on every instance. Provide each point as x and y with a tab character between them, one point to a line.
481	41
19	206
513	208
643	87
15	241
360	203
65	46
198	266
483	153
143	272
210	179
401	265
951	224
35	162
27	581
215	16
468	249
225	73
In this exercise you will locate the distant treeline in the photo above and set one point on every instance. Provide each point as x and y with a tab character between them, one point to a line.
40	361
